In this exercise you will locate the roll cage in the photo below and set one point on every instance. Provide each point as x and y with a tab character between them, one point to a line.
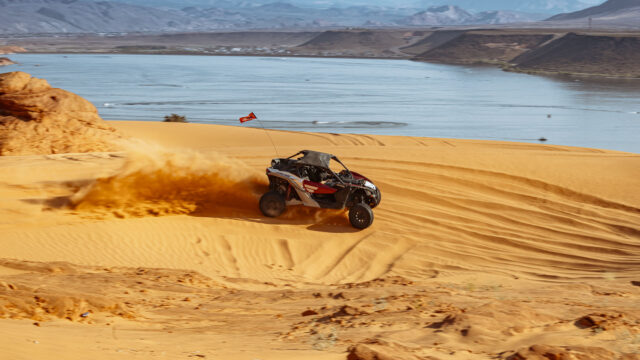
322	161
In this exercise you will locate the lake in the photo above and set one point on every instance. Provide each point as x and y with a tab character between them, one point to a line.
390	97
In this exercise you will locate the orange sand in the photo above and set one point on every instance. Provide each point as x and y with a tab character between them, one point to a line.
479	250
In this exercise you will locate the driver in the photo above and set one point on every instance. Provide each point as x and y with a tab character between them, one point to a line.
314	174
324	175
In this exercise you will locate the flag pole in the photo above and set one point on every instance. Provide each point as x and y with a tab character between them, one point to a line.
253	116
269	136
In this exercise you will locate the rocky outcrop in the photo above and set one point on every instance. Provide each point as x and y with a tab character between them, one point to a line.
38	119
7	49
545	352
378	349
4	61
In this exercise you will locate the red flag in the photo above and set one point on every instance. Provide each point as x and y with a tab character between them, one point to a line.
250	117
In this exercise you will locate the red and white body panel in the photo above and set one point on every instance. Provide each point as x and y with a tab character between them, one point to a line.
317	188
301	186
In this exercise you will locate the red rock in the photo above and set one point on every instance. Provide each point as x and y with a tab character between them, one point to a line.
548	352
4	61
38	119
7	49
377	349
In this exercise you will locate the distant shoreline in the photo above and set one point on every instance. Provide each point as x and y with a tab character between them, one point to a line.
571	74
594	54
503	66
226	55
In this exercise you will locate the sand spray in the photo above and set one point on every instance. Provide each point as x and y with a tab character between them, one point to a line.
156	180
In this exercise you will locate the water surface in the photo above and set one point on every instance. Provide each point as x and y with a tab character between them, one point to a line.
391	97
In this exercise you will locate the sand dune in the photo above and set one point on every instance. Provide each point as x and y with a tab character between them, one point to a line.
479	250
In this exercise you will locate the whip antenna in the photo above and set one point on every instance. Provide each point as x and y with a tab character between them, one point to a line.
253	116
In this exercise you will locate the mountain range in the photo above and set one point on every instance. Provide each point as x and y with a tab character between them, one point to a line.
453	15
84	16
78	16
70	16
548	7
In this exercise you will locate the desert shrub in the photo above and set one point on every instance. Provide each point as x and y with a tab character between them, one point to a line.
175	118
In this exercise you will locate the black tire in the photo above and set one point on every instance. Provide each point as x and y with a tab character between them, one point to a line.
272	204
360	216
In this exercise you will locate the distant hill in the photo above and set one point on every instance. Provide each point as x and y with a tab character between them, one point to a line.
586	54
432	41
609	8
471	48
453	15
361	43
611	14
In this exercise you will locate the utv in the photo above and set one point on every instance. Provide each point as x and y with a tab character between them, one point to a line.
306	178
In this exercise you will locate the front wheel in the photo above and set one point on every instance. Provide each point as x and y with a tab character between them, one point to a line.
360	216
272	204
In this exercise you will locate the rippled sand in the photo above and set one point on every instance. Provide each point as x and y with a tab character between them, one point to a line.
479	250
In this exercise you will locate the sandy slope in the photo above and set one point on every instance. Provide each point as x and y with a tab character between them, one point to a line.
479	250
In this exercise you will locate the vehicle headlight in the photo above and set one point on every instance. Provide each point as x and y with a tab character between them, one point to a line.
370	185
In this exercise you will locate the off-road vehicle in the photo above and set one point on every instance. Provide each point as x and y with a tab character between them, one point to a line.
307	179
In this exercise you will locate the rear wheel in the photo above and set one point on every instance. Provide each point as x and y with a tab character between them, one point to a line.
360	216
272	204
